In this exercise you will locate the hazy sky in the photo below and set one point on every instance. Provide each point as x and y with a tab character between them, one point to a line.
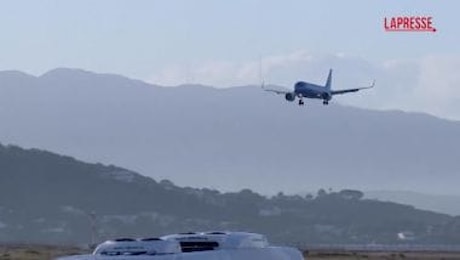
219	43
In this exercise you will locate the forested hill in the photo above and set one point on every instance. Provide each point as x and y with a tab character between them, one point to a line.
49	198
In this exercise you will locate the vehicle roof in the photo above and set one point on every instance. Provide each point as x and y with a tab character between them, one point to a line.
225	240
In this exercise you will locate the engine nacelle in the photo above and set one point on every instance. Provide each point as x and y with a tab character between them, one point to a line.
290	96
326	96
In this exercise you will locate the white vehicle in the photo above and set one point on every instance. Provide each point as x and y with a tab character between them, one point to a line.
192	246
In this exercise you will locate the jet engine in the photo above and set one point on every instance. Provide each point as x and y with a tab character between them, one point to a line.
290	96
326	96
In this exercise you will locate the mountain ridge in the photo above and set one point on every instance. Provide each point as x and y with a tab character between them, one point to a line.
228	138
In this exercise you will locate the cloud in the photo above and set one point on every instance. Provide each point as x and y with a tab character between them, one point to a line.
438	89
214	73
428	84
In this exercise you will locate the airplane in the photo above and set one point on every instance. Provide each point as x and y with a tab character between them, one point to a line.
304	89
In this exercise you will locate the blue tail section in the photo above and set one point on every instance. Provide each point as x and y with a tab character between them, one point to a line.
328	81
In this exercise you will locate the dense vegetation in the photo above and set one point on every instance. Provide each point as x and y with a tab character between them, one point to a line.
50	198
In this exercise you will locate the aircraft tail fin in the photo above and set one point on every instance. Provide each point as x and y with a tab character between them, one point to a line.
329	80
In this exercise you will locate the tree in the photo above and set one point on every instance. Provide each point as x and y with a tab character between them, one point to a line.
351	194
321	193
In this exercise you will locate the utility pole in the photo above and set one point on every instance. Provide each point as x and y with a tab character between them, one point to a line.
92	223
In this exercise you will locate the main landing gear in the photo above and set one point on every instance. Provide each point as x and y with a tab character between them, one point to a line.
325	102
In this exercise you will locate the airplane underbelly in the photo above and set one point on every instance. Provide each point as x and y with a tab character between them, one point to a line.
311	95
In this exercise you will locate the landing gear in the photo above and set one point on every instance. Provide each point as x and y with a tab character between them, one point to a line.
301	103
325	102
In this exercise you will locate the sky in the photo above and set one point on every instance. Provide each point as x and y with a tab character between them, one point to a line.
222	43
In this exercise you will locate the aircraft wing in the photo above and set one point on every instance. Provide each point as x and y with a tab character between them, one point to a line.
281	91
343	91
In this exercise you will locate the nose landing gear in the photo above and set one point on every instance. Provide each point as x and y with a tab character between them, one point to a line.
301	103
